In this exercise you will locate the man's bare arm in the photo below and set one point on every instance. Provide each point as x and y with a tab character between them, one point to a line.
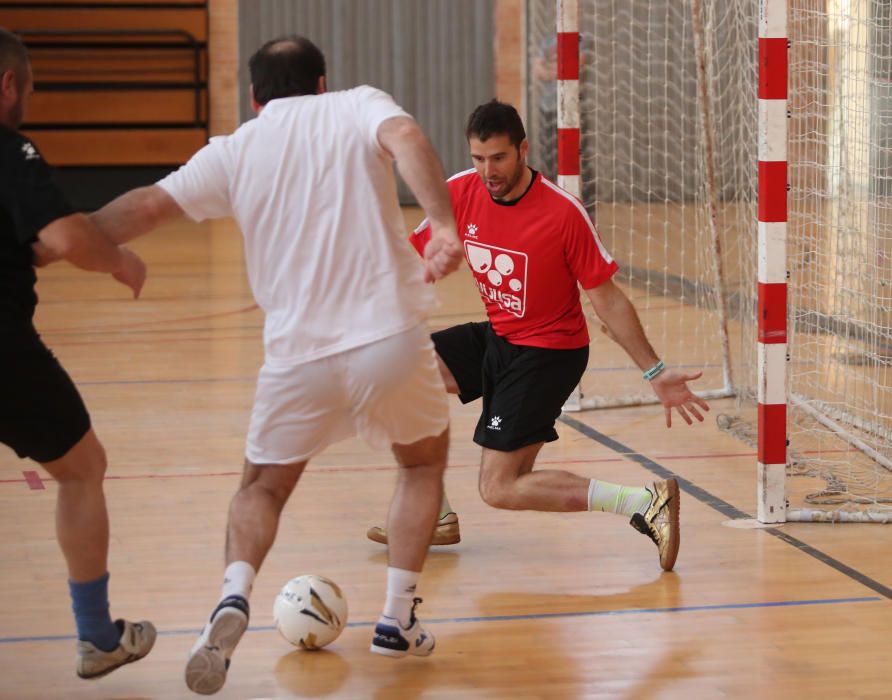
136	213
618	313
75	238
420	167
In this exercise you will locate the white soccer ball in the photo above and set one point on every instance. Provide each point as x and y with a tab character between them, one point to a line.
310	611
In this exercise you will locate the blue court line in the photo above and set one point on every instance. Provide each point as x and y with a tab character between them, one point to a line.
513	618
723	507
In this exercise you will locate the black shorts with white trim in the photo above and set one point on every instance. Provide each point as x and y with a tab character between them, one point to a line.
523	387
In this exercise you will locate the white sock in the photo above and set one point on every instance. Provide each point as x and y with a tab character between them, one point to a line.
400	594
615	498
238	579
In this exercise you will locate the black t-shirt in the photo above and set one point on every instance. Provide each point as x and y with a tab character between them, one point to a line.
29	200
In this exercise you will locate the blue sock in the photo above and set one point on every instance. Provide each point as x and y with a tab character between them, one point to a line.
89	601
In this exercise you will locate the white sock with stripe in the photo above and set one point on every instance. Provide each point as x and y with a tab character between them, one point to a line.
238	579
401	585
616	498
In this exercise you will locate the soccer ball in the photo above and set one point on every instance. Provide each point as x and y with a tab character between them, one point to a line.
310	611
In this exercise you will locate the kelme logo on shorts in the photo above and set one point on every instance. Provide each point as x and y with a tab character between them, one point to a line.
495	423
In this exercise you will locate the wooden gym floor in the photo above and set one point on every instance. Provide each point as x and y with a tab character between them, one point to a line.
529	605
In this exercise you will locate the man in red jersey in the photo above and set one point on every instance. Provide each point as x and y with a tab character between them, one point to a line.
529	244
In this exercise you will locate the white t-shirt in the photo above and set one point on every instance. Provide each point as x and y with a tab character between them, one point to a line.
315	196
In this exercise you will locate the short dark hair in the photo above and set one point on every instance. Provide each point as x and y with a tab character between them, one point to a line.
496	117
285	67
13	56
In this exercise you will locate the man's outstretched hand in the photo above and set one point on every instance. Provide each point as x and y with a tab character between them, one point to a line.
671	387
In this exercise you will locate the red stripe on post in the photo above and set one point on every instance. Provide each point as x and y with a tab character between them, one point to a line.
568	56
568	152
773	69
772	313
773	433
772	190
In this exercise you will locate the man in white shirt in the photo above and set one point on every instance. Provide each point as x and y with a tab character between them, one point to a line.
347	350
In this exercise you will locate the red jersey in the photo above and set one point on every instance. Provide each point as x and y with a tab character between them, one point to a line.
527	257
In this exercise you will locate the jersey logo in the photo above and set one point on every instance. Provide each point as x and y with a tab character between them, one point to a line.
501	276
471	231
29	151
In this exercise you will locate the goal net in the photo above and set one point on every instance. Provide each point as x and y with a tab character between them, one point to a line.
669	120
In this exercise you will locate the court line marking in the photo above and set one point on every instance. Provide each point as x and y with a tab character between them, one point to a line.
32	478
122	327
723	507
515	618
334	468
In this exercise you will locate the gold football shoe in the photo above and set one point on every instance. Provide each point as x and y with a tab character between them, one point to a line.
660	520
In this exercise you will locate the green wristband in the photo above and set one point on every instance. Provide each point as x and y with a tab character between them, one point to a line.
655	370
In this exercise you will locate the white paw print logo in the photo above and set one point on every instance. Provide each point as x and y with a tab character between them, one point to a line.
472	230
495	423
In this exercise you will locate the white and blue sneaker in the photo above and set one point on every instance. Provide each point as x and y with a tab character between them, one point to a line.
137	640
392	639
209	659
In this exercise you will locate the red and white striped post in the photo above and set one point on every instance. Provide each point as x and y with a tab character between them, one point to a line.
568	135
772	308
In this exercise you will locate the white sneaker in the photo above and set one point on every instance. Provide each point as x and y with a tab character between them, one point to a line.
209	659
392	639
137	640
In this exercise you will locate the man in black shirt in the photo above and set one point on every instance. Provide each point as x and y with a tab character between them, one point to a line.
42	416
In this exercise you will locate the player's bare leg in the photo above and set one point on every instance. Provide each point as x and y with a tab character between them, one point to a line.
507	480
410	524
447	529
82	532
254	514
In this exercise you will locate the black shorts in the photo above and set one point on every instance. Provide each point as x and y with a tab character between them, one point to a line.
523	388
42	415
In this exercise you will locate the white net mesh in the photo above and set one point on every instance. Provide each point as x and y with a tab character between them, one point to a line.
840	248
668	150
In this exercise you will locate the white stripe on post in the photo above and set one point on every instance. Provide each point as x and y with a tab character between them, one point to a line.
772	129
773	368
568	104
772	252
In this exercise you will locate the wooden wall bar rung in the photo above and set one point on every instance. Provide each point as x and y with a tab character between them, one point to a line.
71	147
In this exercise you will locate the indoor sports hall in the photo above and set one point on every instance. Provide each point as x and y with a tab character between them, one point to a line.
737	158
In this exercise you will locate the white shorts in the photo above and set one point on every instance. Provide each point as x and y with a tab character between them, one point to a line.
388	392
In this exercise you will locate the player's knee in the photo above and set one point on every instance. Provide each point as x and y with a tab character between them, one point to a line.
84	463
274	482
498	494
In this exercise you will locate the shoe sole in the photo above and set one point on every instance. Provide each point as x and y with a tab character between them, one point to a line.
129	660
675	529
395	654
443	535
206	668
